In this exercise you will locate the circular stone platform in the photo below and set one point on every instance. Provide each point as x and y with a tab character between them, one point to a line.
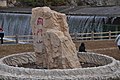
109	68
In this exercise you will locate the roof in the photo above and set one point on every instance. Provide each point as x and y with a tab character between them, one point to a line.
98	11
71	10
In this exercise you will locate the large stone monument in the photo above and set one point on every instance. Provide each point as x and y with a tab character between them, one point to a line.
53	45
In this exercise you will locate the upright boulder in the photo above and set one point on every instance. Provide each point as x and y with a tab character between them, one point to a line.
53	45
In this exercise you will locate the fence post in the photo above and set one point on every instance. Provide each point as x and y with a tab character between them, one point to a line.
109	34
16	38
92	35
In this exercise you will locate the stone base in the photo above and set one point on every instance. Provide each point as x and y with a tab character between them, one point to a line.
109	69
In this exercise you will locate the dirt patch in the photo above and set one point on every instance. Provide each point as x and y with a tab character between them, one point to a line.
6	49
107	47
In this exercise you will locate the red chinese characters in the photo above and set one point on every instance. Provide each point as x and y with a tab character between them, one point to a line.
40	21
38	32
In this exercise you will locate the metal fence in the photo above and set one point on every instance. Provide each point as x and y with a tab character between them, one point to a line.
75	36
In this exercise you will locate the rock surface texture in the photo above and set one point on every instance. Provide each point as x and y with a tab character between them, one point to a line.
53	45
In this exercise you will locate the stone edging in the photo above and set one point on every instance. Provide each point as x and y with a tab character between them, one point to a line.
111	69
